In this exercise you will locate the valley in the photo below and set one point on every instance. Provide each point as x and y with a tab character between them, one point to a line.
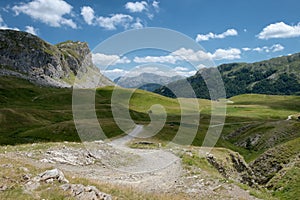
256	127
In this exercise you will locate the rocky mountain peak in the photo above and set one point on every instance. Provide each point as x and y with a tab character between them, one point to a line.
27	56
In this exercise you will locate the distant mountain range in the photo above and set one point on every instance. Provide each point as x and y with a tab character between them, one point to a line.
27	56
146	81
278	76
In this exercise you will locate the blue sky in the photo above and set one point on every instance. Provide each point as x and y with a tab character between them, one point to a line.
230	31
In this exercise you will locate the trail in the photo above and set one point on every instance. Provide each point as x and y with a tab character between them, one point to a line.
150	160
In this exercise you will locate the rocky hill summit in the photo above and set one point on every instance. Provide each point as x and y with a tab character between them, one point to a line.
27	56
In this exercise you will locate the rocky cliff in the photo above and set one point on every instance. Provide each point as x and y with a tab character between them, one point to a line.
27	56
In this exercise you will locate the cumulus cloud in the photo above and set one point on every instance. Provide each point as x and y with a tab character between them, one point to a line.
266	49
111	23
88	14
229	32
138	24
156	59
155	5
181	69
198	56
31	29
279	30
114	73
277	47
3	25
227	54
50	12
103	60
246	49
136	6
117	72
191	56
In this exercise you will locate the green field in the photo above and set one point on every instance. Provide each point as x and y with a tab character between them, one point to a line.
34	114
255	125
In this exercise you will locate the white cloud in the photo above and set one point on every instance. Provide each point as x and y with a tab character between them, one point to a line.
50	12
229	32
104	60
227	54
88	14
111	23
279	30
191	56
267	49
114	73
138	24
219	54
155	5
3	26
156	59
181	69
31	29
136	6
246	49
277	47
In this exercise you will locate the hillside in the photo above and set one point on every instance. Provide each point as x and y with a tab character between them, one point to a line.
26	56
277	76
255	127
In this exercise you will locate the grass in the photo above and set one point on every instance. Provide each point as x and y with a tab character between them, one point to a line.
287	186
29	113
33	114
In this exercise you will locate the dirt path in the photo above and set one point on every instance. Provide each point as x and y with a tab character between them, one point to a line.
148	170
150	160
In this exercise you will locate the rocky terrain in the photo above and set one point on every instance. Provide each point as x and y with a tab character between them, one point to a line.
121	166
26	56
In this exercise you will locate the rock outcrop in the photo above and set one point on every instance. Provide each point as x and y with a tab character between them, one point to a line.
48	176
26	56
82	192
78	191
233	167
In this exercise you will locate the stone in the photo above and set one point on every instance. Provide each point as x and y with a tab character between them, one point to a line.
82	192
48	176
51	175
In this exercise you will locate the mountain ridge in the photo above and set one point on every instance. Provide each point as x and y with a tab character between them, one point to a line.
144	79
277	76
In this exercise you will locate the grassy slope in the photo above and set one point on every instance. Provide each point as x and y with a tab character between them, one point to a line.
30	113
285	183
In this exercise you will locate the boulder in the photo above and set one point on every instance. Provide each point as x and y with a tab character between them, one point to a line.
82	192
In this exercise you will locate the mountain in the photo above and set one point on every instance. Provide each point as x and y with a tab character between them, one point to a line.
27	56
147	81
278	76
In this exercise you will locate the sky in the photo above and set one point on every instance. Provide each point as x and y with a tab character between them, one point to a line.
229	31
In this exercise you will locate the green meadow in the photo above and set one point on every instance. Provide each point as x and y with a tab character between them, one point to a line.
30	113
